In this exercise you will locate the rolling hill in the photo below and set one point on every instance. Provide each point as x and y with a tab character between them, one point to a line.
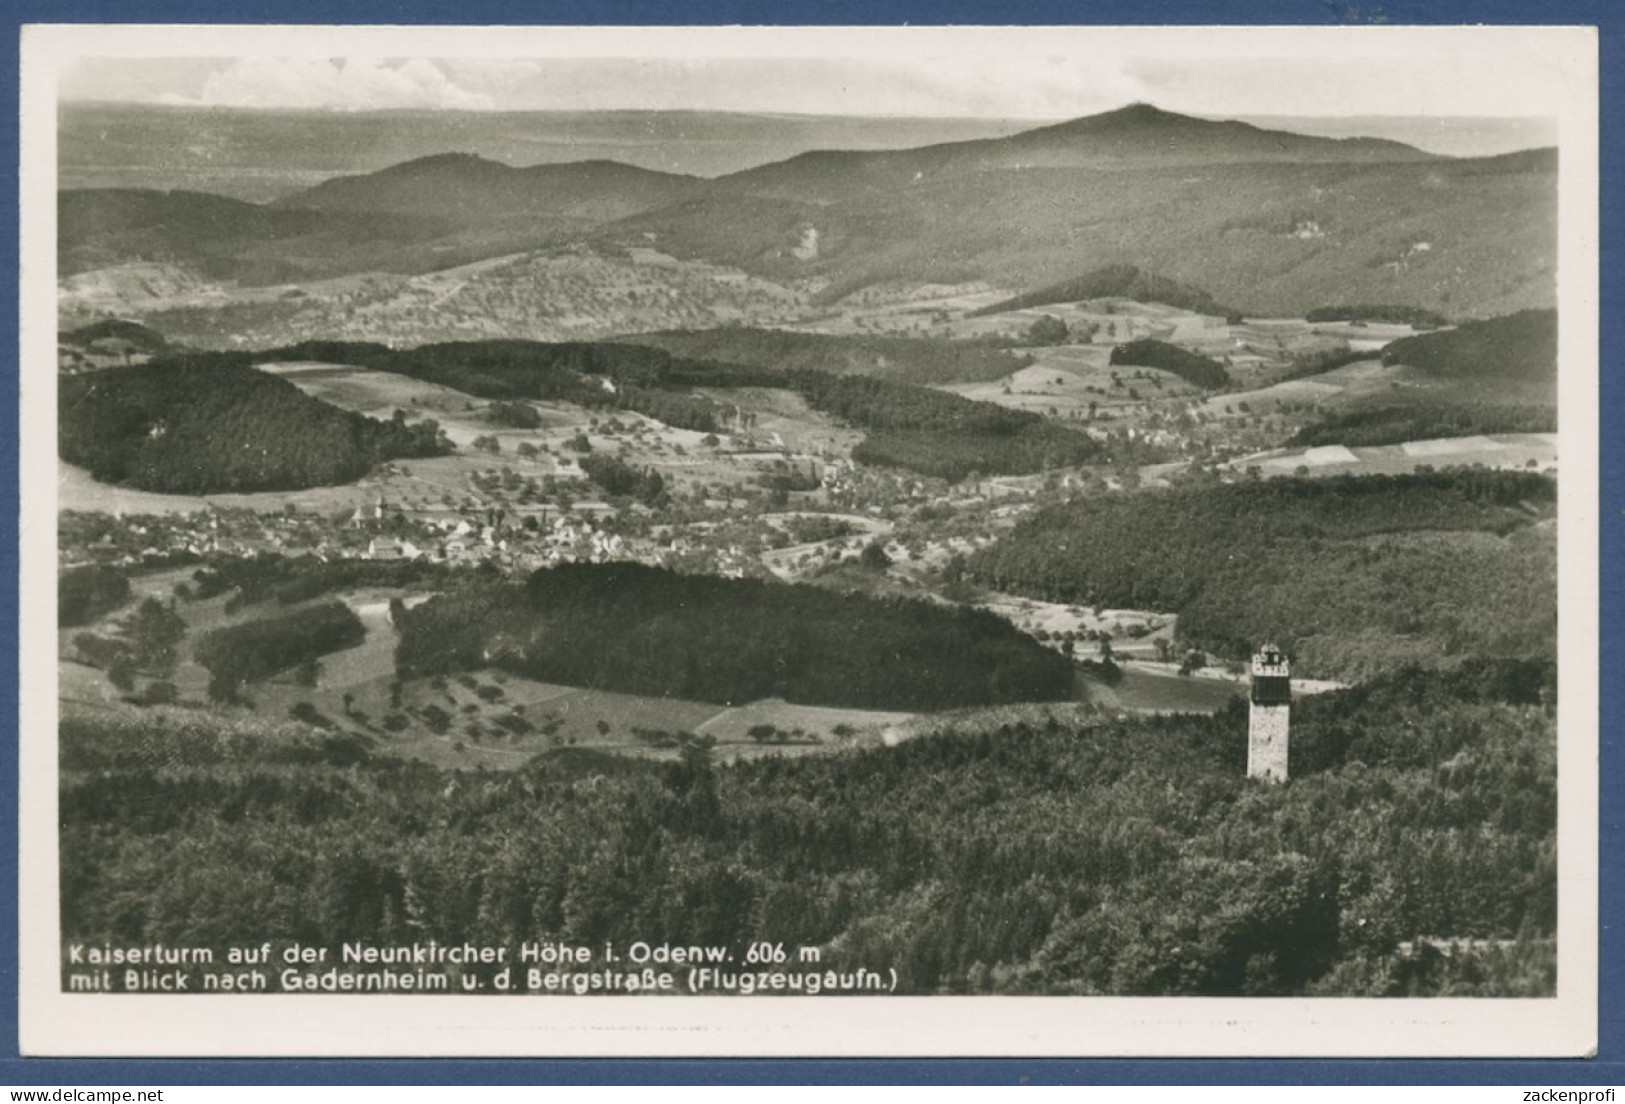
225	238
471	190
1274	237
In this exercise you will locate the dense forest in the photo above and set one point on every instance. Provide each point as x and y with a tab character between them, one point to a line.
1193	368
918	428
1418	317
622	480
645	630
918	360
941	434
1352	575
201	425
1516	353
1422	419
1072	855
253	650
1118	281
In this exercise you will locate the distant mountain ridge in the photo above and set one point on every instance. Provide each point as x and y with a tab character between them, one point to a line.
1163	135
1136	136
1260	220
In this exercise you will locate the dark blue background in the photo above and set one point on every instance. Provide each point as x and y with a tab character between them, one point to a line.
1606	1069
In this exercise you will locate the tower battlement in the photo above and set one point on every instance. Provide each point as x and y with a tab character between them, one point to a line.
1270	660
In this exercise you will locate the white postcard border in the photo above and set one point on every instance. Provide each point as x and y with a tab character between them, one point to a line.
55	1023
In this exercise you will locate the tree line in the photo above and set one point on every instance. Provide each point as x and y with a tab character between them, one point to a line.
252	650
1424	418
1193	368
916	360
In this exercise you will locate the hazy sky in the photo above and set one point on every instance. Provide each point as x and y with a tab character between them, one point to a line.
1000	72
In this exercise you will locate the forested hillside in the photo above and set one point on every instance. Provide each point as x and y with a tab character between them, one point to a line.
645	630
1351	575
1092	858
919	360
1516	353
199	425
1250	234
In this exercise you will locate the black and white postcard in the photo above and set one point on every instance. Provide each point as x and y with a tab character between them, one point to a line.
808	541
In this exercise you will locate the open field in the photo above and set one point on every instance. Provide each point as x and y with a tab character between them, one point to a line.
1149	691
380	394
1069	382
76	490
1532	451
782	419
783	428
1132	632
820	724
1151	687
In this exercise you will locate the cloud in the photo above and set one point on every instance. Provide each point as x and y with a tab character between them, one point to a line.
491	74
344	84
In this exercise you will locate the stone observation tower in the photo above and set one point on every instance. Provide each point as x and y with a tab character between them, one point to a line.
1269	713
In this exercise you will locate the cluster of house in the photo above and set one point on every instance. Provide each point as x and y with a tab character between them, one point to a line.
524	539
373	531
